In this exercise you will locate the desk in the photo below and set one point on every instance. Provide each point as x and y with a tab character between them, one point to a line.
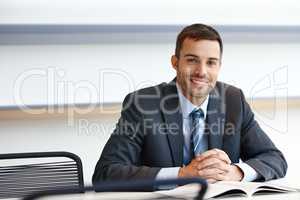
184	192
149	195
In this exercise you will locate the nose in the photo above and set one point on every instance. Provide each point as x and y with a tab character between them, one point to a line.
201	69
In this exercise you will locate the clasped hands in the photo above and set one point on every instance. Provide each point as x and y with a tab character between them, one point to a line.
213	165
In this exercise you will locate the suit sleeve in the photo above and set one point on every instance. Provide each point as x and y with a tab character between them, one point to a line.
257	149
121	156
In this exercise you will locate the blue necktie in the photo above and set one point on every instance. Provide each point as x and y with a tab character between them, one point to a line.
198	138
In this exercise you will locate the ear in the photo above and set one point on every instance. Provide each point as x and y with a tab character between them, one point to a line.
174	61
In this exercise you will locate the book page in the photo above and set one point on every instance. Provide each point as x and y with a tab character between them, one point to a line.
230	188
225	189
188	191
268	188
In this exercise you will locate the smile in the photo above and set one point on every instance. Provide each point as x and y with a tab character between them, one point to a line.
199	81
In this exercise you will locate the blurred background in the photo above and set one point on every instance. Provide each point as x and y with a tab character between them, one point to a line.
66	66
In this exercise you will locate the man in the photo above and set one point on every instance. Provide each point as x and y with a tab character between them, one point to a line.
193	126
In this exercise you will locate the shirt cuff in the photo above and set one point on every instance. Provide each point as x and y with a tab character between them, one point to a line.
167	173
249	173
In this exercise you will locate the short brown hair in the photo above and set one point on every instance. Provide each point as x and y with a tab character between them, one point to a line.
197	32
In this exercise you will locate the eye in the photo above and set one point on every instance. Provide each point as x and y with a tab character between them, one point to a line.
211	62
192	60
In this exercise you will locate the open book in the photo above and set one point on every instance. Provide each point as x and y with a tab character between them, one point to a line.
230	189
225	189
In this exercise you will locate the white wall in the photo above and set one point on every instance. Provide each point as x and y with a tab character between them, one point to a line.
86	138
251	12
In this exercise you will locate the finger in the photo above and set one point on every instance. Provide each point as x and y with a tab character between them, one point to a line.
209	161
206	154
214	163
221	177
209	172
220	155
221	166
214	151
218	177
223	155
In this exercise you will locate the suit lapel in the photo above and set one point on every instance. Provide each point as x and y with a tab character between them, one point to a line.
215	119
173	119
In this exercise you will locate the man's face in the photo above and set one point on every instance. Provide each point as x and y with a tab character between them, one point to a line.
197	68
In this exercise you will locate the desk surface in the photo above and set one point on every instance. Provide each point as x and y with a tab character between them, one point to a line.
184	192
144	195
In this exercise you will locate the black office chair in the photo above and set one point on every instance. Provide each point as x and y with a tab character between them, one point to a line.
22	174
119	187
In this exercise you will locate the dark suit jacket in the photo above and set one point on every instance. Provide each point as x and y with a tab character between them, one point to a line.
149	135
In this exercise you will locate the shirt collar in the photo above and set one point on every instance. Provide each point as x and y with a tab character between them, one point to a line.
187	107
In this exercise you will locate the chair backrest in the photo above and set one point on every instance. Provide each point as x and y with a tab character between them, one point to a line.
26	173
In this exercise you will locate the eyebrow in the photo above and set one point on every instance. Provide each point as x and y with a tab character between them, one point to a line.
192	55
195	56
